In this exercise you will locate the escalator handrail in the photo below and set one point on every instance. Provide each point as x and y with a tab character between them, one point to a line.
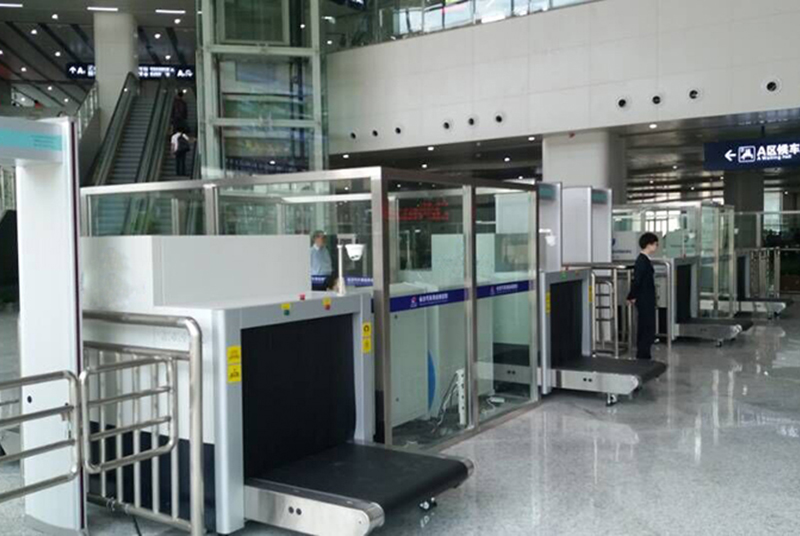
113	136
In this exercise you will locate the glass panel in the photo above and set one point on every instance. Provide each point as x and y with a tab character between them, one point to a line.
155	213
331	214
267	151
266	88
257	21
492	10
428	313
506	297
709	256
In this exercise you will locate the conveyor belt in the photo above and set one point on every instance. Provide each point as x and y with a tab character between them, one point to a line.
645	369
386	477
787	301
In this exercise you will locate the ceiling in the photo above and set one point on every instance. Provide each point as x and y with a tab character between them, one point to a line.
37	47
661	160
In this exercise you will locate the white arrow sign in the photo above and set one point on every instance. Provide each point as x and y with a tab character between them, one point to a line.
730	155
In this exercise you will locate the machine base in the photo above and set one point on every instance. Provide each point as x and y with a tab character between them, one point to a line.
718	330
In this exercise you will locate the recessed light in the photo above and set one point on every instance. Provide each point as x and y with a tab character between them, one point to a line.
54	16
177	21
168	57
345	156
24	69
100	8
693	188
34	32
531	138
507	159
49	88
520	177
57	54
10	5
22	99
171	11
272	162
66	100
653	126
157	36
431	147
302	26
1	52
424	166
674	167
330	42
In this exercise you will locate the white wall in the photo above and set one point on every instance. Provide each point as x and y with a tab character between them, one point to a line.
565	70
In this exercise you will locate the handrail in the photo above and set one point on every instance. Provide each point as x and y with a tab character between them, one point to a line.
87	109
113	136
196	524
70	410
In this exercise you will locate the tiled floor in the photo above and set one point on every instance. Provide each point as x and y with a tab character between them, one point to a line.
713	448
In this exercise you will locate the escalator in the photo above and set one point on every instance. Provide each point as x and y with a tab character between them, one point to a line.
168	162
136	150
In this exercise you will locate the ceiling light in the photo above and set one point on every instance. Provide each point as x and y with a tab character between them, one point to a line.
171	11
54	16
177	21
507	159
34	31
345	156
10	5
652	182
272	162
693	188
531	138
653	126
1	52
431	147
424	166
330	42
49	88
22	99
57	54
674	167
168	57
100	8
302	26
24	69
520	177
157	36
66	100
786	193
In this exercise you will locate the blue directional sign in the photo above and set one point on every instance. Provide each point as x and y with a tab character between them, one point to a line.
88	71
752	154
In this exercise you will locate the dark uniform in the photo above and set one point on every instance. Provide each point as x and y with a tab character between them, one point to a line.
643	291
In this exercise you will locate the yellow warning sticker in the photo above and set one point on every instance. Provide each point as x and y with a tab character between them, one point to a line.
286	306
234	355
326	302
234	373
591	294
366	345
547	303
366	329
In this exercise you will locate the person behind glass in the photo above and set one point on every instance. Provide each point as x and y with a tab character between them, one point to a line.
180	113
643	295
180	146
321	264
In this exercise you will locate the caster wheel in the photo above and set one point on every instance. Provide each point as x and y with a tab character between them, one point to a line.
434	502
425	506
611	400
719	344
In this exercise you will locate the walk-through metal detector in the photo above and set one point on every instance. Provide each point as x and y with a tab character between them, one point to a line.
567	299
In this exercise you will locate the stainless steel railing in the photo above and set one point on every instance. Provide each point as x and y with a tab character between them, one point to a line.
69	412
144	379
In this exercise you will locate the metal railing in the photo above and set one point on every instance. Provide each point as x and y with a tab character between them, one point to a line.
69	412
605	306
138	367
113	136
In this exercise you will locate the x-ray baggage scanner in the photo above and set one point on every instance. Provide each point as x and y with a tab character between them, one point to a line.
289	381
566	301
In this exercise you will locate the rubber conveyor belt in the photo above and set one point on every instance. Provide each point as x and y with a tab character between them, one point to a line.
386	477
728	322
609	376
348	489
643	369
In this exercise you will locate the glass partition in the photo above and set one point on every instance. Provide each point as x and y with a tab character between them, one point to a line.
506	270
455	260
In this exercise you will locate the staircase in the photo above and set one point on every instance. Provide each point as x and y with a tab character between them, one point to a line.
168	163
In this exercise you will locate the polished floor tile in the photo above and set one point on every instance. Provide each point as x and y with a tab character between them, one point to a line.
712	448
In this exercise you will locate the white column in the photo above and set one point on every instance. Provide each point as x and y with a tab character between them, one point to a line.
590	158
116	55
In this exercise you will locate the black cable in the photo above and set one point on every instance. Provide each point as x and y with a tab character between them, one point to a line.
136	524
